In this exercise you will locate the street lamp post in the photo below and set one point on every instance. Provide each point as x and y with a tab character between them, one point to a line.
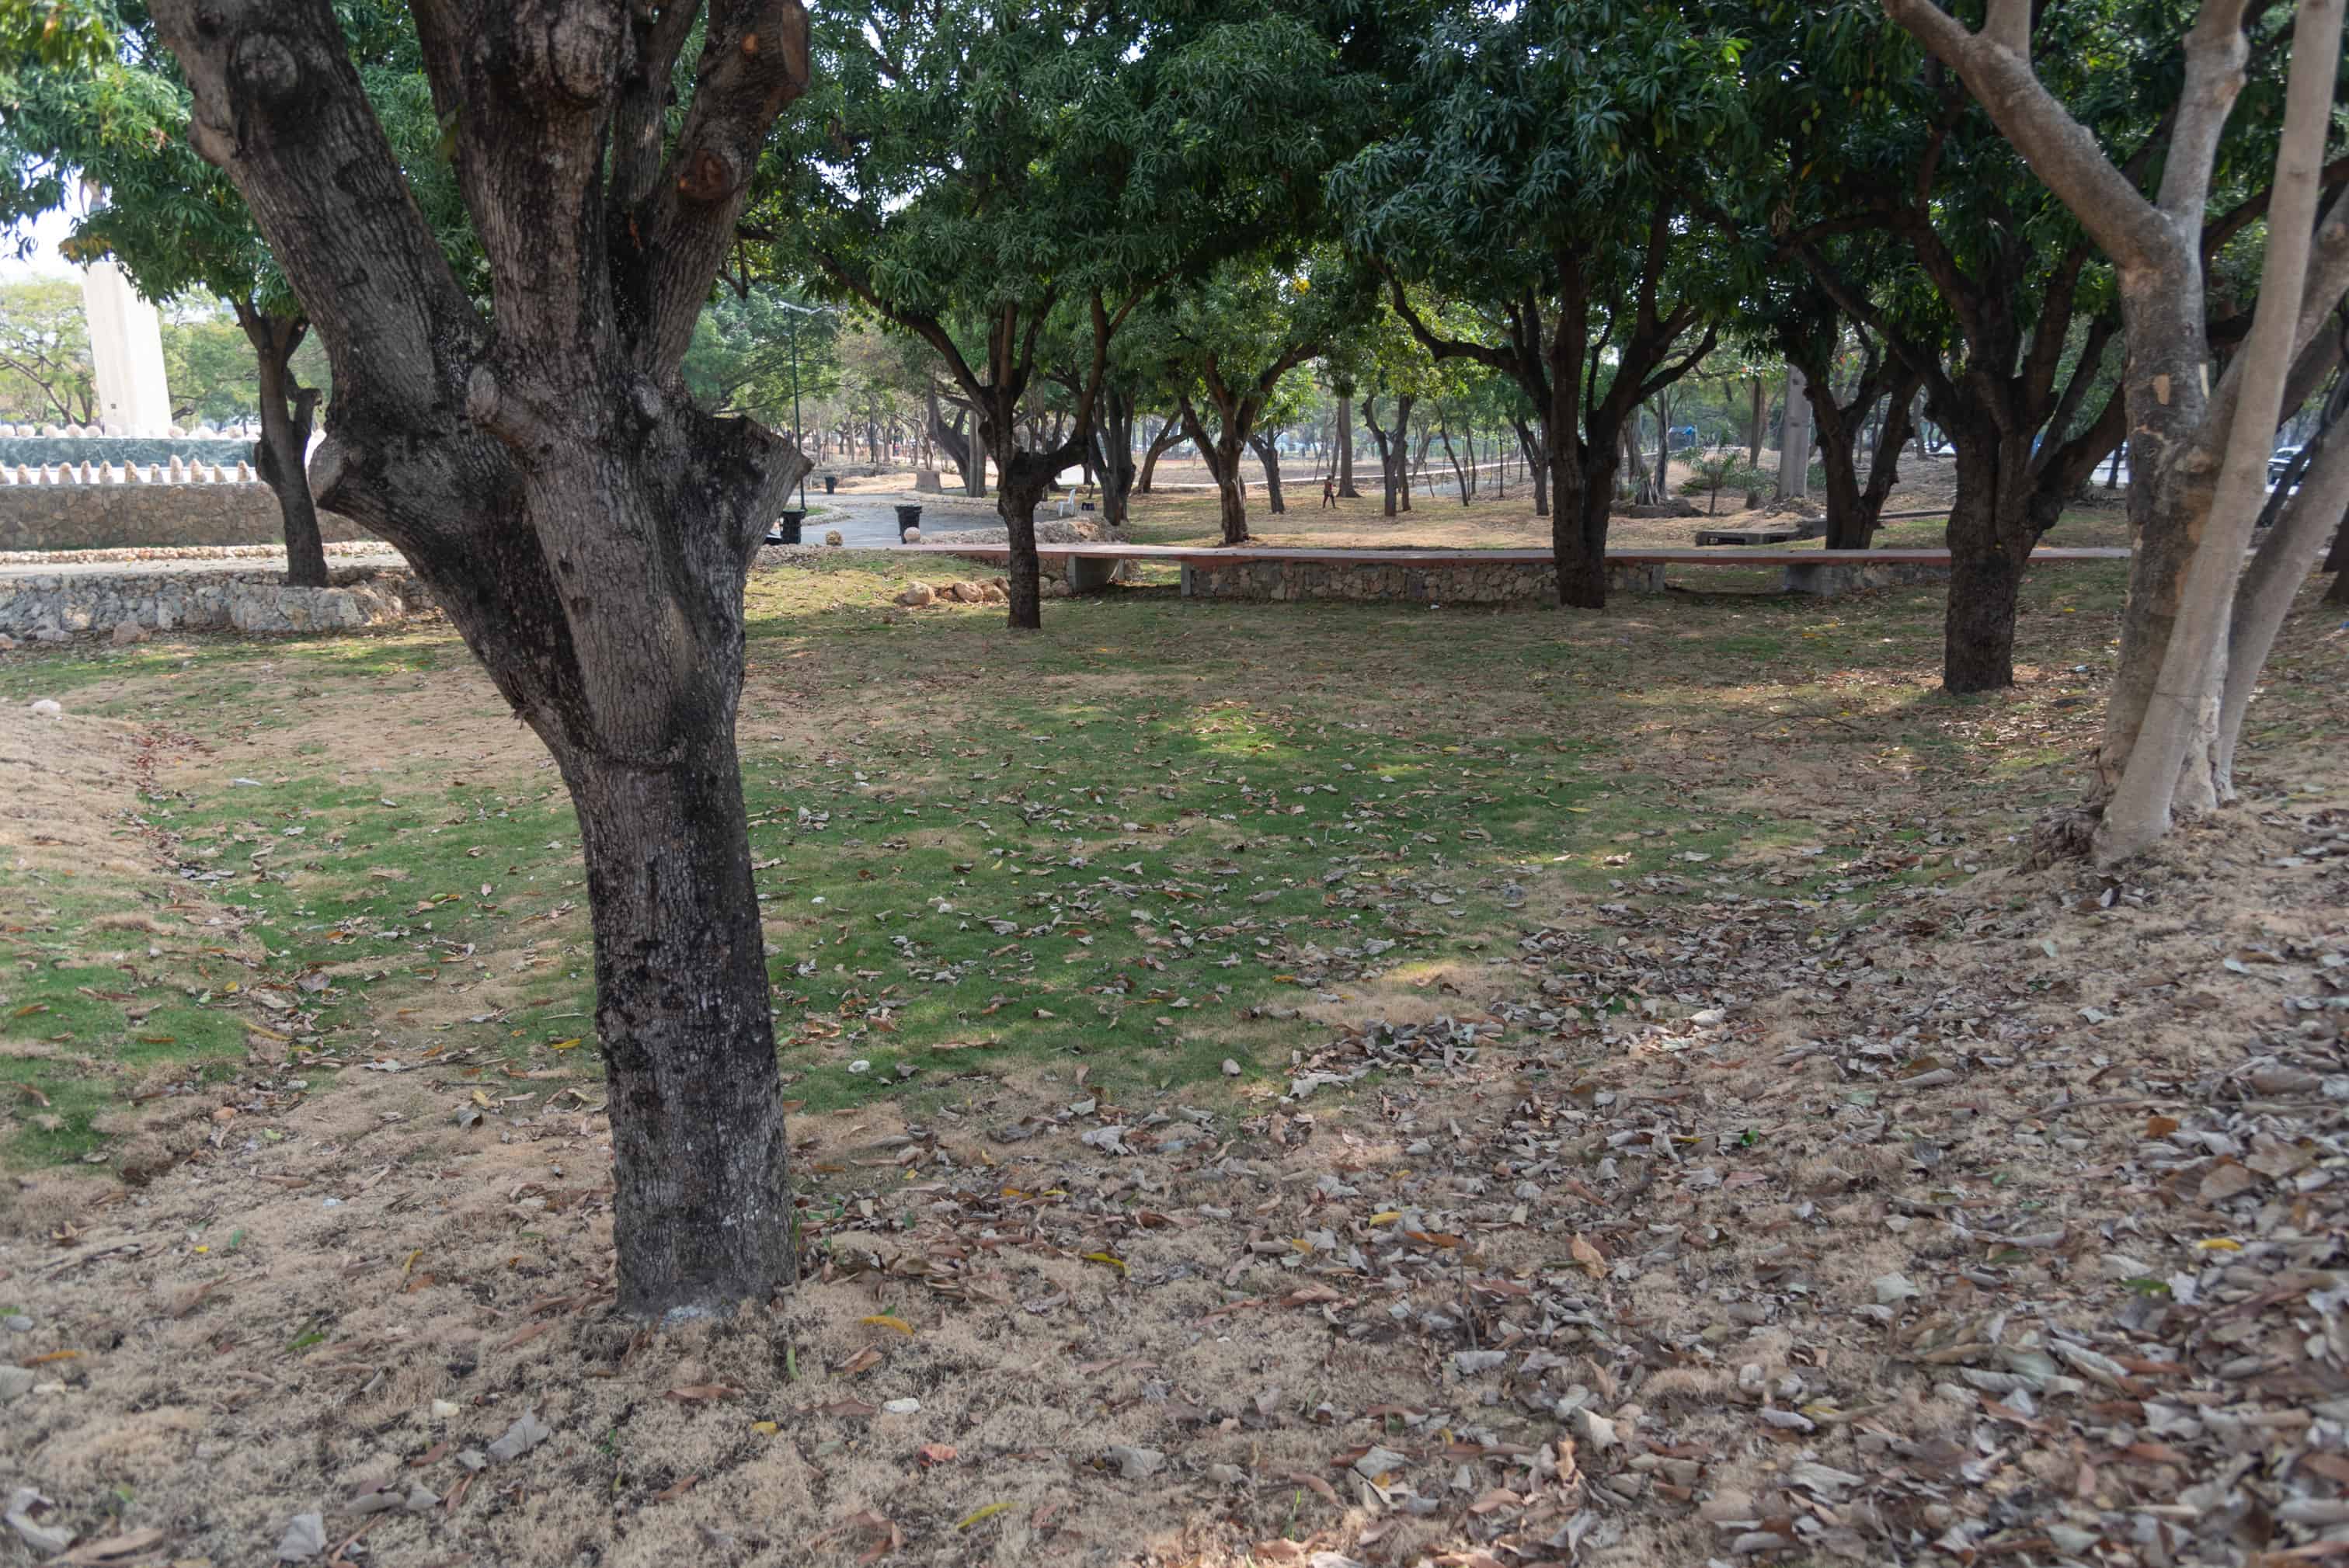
799	437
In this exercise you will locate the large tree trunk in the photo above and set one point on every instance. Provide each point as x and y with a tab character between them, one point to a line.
282	454
1268	452
700	1154
1580	495
1021	478
1991	533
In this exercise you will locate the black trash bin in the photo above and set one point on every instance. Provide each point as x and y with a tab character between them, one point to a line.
907	517
831	483
790	526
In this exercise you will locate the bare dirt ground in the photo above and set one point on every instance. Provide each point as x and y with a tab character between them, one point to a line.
2017	1202
1684	1229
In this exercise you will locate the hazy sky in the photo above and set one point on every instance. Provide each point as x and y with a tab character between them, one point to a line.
47	231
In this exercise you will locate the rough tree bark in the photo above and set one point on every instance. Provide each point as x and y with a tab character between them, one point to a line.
585	526
279	457
2198	454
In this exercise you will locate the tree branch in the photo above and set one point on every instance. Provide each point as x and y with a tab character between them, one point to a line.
2059	149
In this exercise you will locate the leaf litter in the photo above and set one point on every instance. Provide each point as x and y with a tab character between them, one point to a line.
1703	1222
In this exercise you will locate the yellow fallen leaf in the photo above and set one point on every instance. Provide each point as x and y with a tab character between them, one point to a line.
764	1428
1111	1259
1386	1217
2219	1244
990	1511
882	1320
564	1045
410	1267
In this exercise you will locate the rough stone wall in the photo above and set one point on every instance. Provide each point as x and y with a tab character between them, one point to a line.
52	605
95	516
1466	582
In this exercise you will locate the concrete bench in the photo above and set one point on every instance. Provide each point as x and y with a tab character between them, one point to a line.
1473	576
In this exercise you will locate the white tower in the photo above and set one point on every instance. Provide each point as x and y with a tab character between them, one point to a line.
126	340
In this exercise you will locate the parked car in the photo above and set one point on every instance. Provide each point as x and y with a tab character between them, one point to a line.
2278	461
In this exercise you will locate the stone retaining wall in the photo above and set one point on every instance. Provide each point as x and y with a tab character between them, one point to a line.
53	607
91	516
1434	583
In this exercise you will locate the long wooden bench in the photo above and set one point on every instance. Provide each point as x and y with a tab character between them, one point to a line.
1471	576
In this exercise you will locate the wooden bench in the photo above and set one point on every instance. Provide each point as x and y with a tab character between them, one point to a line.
1470	576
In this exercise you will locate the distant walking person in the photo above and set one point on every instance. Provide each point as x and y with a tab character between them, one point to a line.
1329	494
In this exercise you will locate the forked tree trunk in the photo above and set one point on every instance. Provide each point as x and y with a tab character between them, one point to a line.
1268	452
586	528
282	454
1168	434
1114	454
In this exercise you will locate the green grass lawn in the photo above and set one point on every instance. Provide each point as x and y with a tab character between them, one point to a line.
1159	836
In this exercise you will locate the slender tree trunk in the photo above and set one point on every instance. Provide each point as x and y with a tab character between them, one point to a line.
1403	453
1536	451
1756	425
1794	439
1460	475
1168	434
1268	452
1884	459
2268	585
1346	444
1663	446
1385	443
282	454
